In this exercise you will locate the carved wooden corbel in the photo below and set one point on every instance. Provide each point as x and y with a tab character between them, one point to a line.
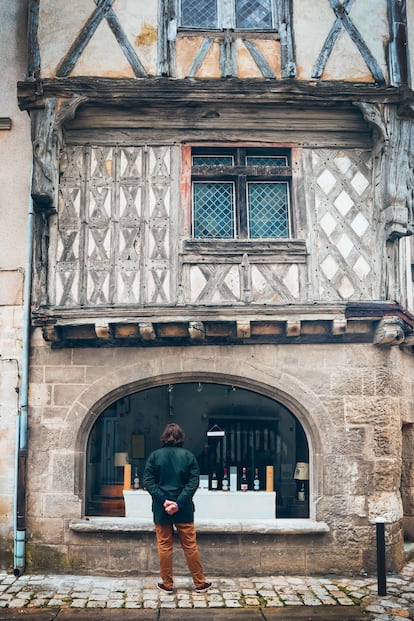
243	329
45	169
50	333
146	331
293	327
103	330
197	330
390	331
394	137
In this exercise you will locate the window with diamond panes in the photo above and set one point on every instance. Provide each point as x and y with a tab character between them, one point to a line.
220	14
240	193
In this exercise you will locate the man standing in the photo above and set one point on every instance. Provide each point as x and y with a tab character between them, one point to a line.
171	476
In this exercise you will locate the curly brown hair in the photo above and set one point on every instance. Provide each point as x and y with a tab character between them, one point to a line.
172	435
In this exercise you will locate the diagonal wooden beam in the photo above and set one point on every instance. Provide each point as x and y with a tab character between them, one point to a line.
357	38
124	43
344	21
77	47
33	51
259	59
329	43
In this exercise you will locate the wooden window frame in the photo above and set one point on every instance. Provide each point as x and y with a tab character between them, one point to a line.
240	174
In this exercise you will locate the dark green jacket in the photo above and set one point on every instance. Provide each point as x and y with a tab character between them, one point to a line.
172	473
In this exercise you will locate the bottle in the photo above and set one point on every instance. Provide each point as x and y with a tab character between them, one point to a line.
135	482
214	481
256	481
225	481
243	480
301	492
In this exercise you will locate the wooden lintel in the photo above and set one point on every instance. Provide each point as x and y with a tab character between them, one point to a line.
124	91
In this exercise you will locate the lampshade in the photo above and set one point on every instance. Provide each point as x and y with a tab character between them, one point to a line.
301	471
120	459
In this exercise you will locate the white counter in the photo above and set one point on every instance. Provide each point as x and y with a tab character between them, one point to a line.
211	505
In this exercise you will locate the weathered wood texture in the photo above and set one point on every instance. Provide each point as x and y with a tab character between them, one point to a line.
114	235
45	166
222	121
398	48
118	228
128	91
33	52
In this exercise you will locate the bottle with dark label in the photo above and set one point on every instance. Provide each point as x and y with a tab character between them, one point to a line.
243	481
301	492
256	481
225	481
135	482
214	481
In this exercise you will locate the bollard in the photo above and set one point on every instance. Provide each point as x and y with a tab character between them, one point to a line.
381	576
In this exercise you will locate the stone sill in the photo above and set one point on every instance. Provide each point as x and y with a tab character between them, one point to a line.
283	526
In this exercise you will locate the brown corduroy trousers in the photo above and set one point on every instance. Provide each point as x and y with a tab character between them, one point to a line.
188	541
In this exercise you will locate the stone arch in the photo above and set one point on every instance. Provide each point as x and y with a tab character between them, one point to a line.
279	386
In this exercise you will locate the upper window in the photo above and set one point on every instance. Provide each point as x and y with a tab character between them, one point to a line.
240	193
237	14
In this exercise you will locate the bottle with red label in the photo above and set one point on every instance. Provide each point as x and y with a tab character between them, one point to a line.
243	481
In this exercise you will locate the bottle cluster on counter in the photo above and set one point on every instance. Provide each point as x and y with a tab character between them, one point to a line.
238	479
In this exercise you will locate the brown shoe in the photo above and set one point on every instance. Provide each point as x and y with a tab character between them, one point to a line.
204	587
161	586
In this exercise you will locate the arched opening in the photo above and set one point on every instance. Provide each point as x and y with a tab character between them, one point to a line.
227	427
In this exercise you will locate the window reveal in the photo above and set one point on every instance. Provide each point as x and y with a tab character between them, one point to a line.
240	193
221	14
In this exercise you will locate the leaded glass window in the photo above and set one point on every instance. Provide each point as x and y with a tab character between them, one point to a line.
196	14
268	216
241	193
213	210
237	14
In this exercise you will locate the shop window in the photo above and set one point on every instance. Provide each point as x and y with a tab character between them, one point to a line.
240	193
236	14
260	435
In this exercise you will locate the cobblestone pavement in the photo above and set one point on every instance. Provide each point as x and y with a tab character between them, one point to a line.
70	591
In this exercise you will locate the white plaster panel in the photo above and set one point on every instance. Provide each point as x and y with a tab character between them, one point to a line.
61	22
313	20
15	144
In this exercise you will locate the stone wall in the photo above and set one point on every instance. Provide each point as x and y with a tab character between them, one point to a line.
350	400
15	162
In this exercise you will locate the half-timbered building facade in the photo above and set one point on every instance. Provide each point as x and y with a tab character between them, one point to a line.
222	211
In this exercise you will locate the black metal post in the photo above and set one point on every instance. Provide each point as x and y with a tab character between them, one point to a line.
382	580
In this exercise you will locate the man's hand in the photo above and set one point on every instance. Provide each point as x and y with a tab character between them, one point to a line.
170	507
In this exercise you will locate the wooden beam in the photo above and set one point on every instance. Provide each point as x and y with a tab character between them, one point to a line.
125	91
33	51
